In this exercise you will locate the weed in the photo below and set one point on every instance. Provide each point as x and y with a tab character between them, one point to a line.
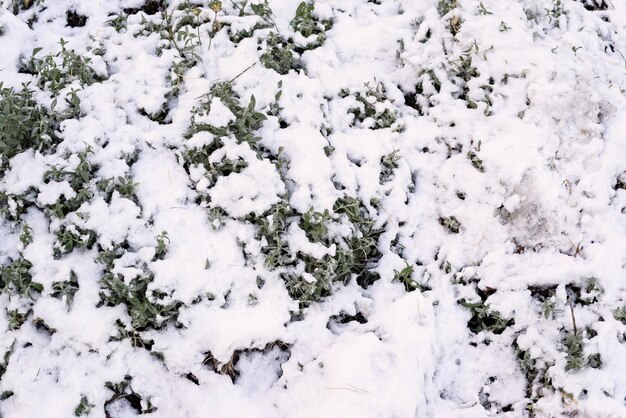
80	181
548	307
143	306
161	249
72	237
556	11
26	237
247	118
55	71
271	227
476	162
307	24
575	358
66	289
15	278
121	184
368	106
314	224
445	6
483	10
25	124
405	276
84	407
117	22
278	55
123	390
620	314
594	361
12	206
16	319
108	257
451	224
485	319
354	255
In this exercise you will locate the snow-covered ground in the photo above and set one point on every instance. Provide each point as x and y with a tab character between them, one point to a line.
344	208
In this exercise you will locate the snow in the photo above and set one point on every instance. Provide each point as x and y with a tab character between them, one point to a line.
508	116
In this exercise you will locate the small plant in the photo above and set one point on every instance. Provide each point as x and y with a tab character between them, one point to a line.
72	237
476	162
117	22
278	55
123	185
247	118
484	319
445	6
368	111
315	225
451	224
405	276
123	390
16	319
84	407
26	237
80	181
55	71
548	307
307	24
556	11
620	314
355	254
66	289
594	361
162	242
591	292
483	10
15	278
25	124
262	10
143	306
575	358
